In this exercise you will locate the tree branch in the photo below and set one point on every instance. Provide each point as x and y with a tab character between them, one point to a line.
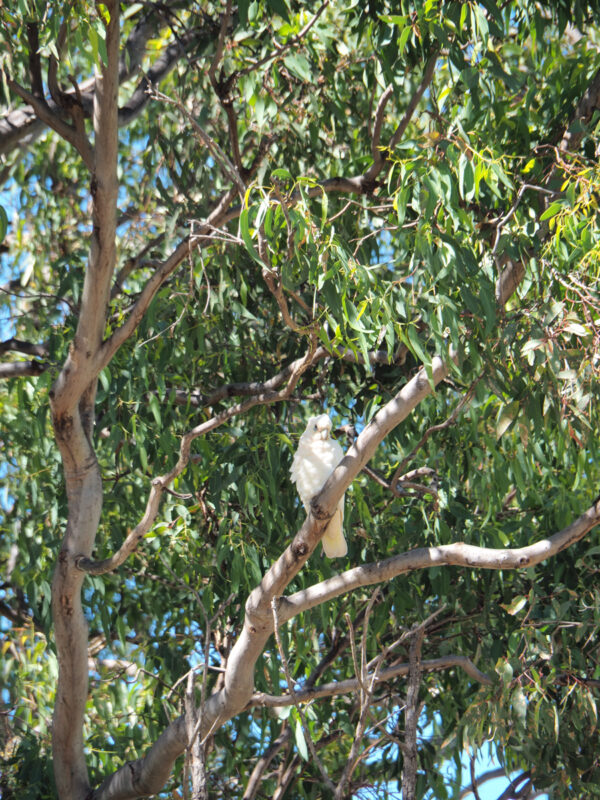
72	399
456	554
412	713
399	473
512	272
21	369
49	115
379	162
212	146
28	348
263	763
160	483
290	683
25	123
352	685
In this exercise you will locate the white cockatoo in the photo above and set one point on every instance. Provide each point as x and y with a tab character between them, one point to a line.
314	461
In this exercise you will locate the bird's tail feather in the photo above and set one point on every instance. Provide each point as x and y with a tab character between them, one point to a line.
333	540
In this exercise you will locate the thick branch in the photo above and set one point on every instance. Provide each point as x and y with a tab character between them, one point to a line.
410	752
512	272
456	554
72	402
250	388
589	103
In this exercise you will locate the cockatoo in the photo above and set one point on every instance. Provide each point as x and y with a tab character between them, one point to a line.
314	461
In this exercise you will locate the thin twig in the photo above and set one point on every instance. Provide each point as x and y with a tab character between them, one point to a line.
290	683
279	50
434	429
502	222
220	44
473	779
375	151
206	139
366	694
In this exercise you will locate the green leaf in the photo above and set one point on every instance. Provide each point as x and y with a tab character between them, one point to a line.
243	11
154	404
299	66
3	223
247	238
415	345
506	417
551	211
279	7
300	740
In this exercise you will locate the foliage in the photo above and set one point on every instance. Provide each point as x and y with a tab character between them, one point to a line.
406	267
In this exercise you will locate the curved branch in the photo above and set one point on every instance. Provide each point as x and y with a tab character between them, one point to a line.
263	763
487	776
383	100
512	272
49	115
456	554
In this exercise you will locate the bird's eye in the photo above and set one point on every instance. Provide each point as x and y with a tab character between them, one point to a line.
316	427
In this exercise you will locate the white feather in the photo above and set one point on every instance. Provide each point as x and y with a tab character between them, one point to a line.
314	461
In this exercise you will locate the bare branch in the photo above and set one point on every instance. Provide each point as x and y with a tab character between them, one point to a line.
383	100
589	103
352	685
379	162
195	753
473	779
263	763
28	348
133	263
512	272
215	150
72	403
274	284
21	125
487	776
280	49
367	688
249	389
219	216
220	44
35	68
456	554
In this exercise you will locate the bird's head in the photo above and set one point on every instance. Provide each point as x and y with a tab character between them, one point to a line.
318	427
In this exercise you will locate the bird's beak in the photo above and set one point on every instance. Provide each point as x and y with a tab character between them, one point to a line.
324	434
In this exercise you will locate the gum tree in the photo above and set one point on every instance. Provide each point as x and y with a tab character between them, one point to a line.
218	220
